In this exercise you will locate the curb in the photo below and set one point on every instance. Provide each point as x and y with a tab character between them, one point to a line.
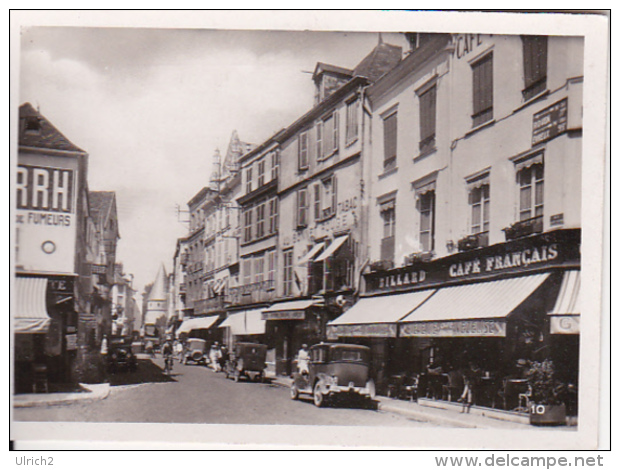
95	392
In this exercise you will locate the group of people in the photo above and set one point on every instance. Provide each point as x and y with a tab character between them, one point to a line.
217	354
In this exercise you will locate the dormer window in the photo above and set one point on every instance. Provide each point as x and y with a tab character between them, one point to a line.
32	125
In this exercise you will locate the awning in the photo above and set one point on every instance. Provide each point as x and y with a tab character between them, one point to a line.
292	310
30	305
564	318
312	253
478	309
376	316
248	322
331	249
198	323
219	286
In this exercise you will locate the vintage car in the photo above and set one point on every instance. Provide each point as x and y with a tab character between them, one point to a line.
195	351
246	360
120	354
335	370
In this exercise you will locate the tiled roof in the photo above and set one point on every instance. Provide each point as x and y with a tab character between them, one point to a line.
100	201
381	60
45	135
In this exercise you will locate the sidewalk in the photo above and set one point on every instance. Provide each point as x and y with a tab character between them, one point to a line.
92	392
439	416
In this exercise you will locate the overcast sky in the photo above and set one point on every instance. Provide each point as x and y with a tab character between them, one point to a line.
151	106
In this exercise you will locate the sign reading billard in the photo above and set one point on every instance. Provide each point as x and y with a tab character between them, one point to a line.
45	218
456	328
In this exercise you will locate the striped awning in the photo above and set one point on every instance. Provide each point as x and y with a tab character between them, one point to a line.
30	305
376	316
311	253
565	316
478	309
331	249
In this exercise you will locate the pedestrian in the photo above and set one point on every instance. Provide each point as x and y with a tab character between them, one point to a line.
178	349
303	359
215	354
471	381
104	357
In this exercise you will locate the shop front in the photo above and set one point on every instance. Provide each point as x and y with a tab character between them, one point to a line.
292	324
488	313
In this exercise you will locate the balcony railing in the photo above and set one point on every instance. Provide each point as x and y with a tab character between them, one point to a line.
213	304
472	242
524	228
252	293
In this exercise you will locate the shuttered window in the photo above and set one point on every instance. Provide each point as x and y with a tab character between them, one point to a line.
302	207
428	107
483	90
427	221
389	141
534	65
303	151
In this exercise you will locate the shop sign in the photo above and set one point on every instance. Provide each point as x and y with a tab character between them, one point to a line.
466	43
284	315
45	218
71	341
518	256
564	325
550	122
376	330
455	328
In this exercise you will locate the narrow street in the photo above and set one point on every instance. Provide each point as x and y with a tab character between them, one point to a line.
195	394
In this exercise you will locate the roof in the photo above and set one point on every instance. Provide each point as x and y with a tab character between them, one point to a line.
322	67
158	291
381	60
36	131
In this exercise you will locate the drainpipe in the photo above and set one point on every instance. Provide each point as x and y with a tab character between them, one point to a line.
363	192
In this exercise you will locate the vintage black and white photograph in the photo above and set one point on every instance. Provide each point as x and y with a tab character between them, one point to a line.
319	231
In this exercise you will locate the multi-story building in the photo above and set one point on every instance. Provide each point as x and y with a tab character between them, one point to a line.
52	282
476	171
320	194
123	301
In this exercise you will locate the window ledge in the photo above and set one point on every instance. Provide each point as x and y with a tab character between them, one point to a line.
480	127
351	142
533	99
323	219
387	173
327	157
426	153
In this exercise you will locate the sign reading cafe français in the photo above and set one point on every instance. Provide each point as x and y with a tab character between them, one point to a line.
45	218
456	328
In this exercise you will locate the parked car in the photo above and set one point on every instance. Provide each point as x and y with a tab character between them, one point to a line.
335	370
120	354
195	351
246	360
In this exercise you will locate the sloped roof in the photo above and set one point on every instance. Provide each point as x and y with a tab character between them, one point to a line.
323	67
46	136
158	291
381	60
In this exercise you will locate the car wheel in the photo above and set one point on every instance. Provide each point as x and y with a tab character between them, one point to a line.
317	396
294	392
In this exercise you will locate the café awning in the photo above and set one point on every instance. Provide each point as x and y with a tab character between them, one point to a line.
331	249
30	305
198	323
248	322
565	315
291	310
478	309
312	253
376	316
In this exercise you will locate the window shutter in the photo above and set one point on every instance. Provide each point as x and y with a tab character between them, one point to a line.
336	132
390	136
334	194
319	140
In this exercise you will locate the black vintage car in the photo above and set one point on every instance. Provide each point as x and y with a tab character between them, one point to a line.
120	354
335	370
246	360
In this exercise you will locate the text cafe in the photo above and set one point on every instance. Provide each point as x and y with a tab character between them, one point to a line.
492	310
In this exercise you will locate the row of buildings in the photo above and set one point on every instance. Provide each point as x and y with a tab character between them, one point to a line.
428	206
69	289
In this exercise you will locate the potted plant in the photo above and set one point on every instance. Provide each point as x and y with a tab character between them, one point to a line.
547	394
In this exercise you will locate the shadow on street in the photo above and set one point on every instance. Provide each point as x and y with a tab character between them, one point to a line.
147	372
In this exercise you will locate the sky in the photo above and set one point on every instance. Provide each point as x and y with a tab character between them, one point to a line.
151	106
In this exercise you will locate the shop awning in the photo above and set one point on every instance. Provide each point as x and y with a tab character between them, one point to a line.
331	249
199	323
30	305
564	318
292	310
376	316
248	322
312	253
478	309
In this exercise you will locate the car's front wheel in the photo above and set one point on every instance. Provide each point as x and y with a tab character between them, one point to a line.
317	396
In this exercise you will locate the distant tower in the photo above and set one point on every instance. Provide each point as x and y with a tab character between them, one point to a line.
156	304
